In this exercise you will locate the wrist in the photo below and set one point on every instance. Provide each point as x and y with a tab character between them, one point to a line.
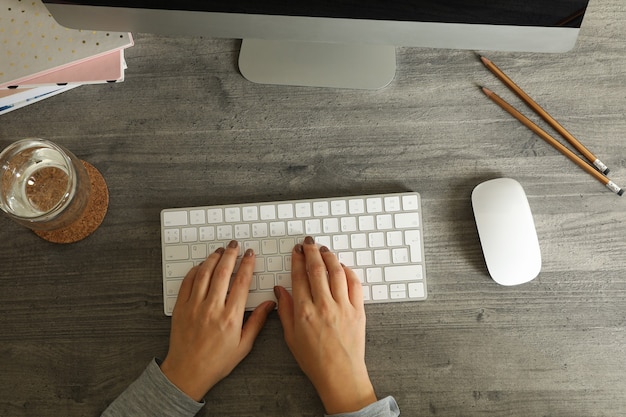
346	396
184	382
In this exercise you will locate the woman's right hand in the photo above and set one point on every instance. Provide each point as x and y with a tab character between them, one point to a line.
324	327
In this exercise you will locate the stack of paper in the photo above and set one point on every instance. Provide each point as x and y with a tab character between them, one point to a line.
39	58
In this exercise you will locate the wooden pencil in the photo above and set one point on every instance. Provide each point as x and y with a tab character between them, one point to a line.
545	115
555	143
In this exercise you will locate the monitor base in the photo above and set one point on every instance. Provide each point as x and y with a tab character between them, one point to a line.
317	64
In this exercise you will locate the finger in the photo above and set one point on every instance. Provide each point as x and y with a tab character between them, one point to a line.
203	275
252	327
355	288
241	284
299	277
337	280
285	310
316	268
222	274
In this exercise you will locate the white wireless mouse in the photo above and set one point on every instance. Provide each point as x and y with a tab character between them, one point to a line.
507	231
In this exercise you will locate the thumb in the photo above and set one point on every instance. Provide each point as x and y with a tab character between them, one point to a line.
285	309
252	327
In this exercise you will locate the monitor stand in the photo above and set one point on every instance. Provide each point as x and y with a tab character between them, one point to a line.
317	64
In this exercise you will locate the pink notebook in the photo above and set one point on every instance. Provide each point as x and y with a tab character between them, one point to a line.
32	44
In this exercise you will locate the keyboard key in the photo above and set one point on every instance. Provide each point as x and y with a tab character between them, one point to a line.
356	206
215	216
416	290
206	233
341	242
384	222
303	210
250	214
406	220
382	257
320	209
199	251
331	225
358	241
397	291
374	275
400	255
224	232
413	239
380	292
266	281
197	217
366	223
313	227
171	235
286	245
190	234
172	287
269	247
364	258
392	203
177	269
175	218
285	211
348	224
295	228
267	212
259	230
176	253
278	229
346	258
274	263
374	205
284	280
232	215
242	231
338	207
410	202
403	273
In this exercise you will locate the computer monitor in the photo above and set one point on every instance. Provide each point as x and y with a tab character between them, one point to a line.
338	43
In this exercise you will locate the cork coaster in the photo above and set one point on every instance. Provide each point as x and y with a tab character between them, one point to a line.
91	218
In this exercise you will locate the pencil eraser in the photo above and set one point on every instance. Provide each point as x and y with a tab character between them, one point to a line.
606	171
620	193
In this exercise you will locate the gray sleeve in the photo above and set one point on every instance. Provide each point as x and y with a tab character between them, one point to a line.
387	407
153	395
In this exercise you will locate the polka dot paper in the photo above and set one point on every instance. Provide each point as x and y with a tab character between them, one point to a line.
32	43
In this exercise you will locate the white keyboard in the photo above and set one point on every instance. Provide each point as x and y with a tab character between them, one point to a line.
378	236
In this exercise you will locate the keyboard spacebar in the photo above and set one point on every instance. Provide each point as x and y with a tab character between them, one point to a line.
256	298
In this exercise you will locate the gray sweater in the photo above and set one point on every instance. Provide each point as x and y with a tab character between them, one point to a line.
153	395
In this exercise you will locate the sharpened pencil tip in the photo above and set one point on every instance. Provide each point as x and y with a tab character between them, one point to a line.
487	91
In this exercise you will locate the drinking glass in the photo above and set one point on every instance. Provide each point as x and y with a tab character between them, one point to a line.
43	186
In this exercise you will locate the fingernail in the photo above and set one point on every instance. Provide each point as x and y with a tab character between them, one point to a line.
309	240
277	293
249	252
219	250
324	249
299	248
233	244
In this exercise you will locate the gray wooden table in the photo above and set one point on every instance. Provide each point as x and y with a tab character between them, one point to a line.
80	322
